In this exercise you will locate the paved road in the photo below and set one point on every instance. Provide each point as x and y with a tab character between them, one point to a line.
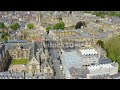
56	63
59	74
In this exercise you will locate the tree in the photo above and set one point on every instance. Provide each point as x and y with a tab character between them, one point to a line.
84	24
48	28
60	25
79	25
112	46
30	26
15	26
25	34
101	30
4	36
100	43
2	25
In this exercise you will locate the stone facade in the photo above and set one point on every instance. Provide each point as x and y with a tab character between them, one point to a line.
58	34
33	66
4	58
89	56
110	69
31	34
17	35
18	50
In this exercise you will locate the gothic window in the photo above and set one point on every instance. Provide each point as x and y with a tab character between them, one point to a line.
33	67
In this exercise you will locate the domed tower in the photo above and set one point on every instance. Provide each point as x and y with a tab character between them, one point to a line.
56	17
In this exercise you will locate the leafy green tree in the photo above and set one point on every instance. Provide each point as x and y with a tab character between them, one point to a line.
48	28
112	47
101	30
4	36
2	25
84	24
15	26
79	25
30	26
100	43
60	25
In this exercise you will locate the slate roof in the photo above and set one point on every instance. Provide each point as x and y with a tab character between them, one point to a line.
33	50
17	41
104	76
78	72
13	45
104	61
86	34
20	75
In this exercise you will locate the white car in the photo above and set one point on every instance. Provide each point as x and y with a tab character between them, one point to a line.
61	68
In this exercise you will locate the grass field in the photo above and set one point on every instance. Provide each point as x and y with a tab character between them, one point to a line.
19	61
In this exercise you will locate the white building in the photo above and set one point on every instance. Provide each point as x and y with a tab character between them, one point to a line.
102	69
89	56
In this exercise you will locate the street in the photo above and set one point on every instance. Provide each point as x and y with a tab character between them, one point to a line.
56	63
59	74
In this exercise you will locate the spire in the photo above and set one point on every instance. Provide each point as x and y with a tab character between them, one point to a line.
33	48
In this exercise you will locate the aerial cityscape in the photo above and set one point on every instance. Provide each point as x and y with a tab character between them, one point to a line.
59	44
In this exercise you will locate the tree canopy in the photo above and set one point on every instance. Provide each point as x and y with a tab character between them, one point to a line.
101	30
2	25
79	25
103	13
100	43
4	36
48	28
112	47
60	25
15	26
30	26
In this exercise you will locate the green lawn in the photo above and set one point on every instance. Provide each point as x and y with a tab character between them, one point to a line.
19	61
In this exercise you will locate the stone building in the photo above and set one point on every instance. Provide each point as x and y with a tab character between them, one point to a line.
16	35
89	56
4	58
33	64
56	17
57	34
31	35
39	61
19	50
102	69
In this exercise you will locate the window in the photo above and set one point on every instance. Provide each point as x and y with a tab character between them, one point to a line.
34	67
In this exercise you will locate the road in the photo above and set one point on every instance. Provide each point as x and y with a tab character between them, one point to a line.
59	74
56	63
